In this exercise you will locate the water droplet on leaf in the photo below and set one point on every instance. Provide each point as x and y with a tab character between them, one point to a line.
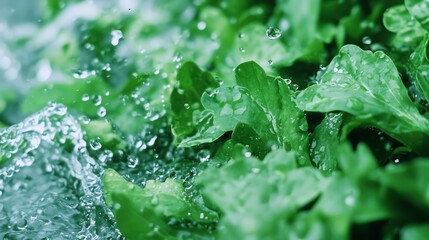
116	36
273	33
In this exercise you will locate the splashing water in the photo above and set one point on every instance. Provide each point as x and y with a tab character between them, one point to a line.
49	186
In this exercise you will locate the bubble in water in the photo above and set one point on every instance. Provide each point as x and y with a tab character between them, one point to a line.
273	33
116	36
67	189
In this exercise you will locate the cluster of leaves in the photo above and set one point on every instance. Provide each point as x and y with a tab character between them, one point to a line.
286	160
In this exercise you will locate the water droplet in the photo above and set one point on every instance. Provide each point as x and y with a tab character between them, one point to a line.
84	119
201	25
152	141
294	87
241	35
256	170
117	206
270	62
96	100
186	106
107	67
242	50
116	36
94	144
132	161
350	200
366	40
273	33
101	112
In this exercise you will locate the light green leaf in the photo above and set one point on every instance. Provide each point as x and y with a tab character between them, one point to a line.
420	10
269	53
257	198
410	180
145	213
367	85
298	19
358	165
408	31
264	104
103	132
84	96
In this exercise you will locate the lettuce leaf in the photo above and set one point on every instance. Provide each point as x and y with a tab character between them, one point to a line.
368	86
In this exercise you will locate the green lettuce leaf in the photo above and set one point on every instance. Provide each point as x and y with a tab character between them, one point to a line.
409	180
185	99
269	54
415	232
408	31
84	96
420	10
265	104
258	198
155	211
368	86
418	68
324	150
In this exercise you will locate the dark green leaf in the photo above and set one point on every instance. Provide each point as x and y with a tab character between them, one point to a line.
415	232
324	150
419	68
185	99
